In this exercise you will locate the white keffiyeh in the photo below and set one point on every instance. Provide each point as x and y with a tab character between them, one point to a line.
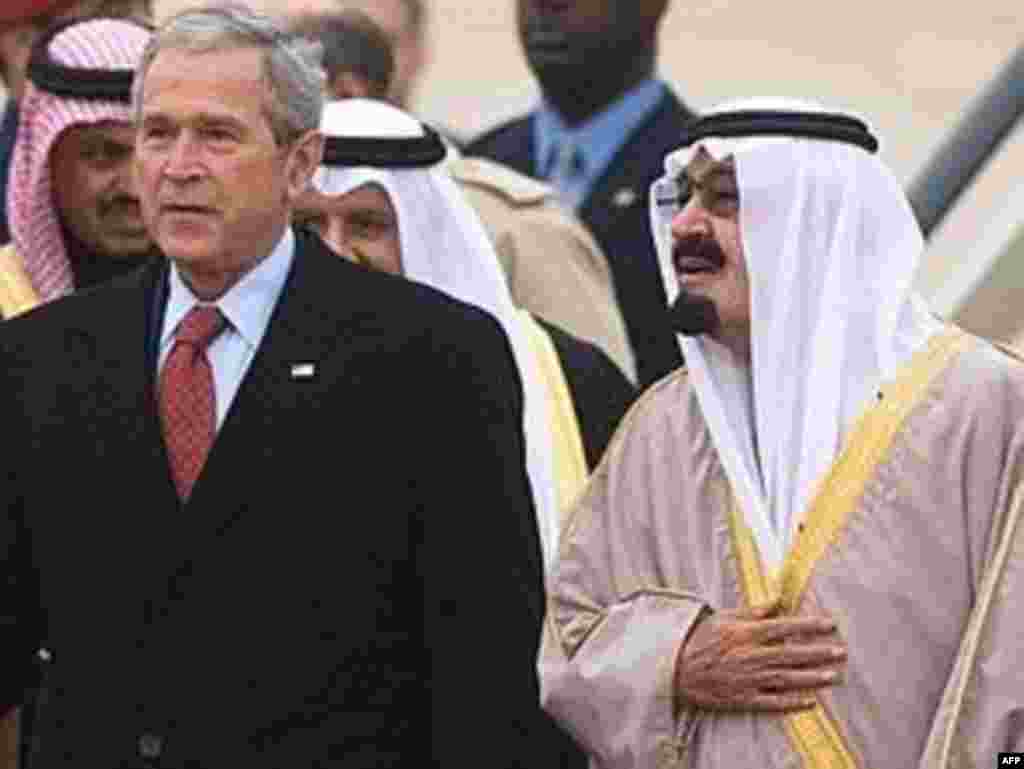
831	248
444	245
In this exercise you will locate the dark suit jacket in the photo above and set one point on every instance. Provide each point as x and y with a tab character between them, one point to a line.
601	394
617	213
355	581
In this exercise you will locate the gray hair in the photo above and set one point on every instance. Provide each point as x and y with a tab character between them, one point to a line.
292	65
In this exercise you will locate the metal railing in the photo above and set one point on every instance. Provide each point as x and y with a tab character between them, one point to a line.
986	122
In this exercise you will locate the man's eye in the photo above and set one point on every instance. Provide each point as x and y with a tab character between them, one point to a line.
685	191
369	228
218	134
725	203
155	133
104	152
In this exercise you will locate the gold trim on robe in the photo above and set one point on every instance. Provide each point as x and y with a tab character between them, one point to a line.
567	442
16	292
814	734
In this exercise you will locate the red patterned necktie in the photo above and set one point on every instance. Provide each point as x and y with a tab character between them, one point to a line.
188	404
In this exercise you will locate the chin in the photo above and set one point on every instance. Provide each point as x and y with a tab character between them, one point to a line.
693	315
128	250
186	250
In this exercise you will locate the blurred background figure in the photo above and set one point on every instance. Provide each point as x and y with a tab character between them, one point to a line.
384	198
403	23
552	264
475	76
73	212
358	57
599	135
21	23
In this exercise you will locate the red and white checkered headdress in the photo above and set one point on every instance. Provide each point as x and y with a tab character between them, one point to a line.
98	45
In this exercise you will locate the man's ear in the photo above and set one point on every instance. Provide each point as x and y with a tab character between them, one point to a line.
303	159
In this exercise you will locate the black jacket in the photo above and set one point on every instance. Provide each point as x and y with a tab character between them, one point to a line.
600	392
616	212
356	580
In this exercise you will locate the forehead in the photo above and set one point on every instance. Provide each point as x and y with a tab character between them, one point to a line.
703	166
599	9
366	197
116	131
181	83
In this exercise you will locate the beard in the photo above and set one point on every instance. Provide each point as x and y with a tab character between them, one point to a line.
692	314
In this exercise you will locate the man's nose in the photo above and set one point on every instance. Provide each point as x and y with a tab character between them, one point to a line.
691	218
126	180
183	159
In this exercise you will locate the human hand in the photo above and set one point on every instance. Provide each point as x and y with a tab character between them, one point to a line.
755	660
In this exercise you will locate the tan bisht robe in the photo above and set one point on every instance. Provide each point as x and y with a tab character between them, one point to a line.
910	541
554	267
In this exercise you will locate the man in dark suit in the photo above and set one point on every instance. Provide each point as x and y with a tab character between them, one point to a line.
292	526
600	135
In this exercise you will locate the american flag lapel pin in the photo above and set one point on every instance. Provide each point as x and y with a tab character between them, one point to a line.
625	197
303	370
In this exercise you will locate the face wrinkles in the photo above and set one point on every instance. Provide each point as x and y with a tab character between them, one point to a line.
215	186
714	183
708	255
94	190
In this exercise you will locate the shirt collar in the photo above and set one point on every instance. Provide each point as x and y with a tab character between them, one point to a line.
601	136
247	305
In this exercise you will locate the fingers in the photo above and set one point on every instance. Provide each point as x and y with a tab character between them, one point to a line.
799	655
759	702
758	660
782	680
783	629
764	611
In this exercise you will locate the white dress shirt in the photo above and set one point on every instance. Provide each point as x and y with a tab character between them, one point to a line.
246	306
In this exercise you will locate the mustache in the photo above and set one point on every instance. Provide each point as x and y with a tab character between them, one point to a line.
698	246
120	205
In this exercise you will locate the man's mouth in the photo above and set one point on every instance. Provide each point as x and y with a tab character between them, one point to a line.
693	265
697	256
182	208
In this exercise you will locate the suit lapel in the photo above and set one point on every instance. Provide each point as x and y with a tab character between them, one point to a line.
624	186
306	335
118	403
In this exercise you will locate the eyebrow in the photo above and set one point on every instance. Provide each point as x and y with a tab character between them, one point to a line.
199	118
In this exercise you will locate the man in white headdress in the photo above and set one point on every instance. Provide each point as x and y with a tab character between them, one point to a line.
384	196
804	549
552	264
